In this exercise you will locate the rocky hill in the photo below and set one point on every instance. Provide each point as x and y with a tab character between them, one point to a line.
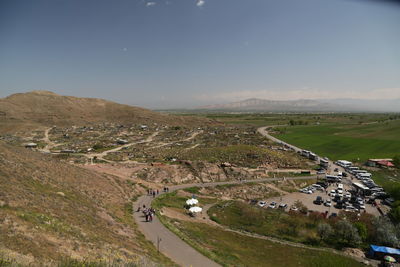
23	110
50	210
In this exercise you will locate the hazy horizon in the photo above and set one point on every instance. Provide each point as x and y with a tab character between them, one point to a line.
188	53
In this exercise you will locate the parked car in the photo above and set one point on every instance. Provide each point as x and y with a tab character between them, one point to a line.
294	208
360	206
333	215
282	206
318	200
262	204
272	205
323	184
328	203
339	204
388	201
350	208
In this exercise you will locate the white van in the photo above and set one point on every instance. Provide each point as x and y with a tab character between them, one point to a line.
364	175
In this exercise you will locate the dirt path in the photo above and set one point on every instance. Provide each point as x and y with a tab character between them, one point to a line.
49	144
173	142
105	153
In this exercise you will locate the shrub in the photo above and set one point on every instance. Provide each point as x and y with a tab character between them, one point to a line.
324	231
362	230
347	233
386	233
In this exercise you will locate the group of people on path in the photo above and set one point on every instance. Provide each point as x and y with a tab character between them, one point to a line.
148	213
154	192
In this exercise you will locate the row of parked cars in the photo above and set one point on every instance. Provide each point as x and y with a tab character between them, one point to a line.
320	186
376	192
272	205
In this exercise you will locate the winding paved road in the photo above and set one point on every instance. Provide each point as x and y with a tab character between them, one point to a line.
263	132
174	247
171	245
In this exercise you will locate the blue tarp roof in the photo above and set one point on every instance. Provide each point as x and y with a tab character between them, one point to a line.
385	250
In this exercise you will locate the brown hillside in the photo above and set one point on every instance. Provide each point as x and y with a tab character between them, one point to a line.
46	108
50	210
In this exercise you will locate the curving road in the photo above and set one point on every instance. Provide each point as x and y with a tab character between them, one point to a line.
263	131
174	247
171	245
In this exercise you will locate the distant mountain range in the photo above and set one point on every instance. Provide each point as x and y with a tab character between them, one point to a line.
307	105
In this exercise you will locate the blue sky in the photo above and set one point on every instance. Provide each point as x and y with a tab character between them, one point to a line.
182	53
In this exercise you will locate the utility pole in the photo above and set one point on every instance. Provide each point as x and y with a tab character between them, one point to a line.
158	244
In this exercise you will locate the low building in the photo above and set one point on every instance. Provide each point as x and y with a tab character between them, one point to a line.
380	163
67	151
122	141
31	145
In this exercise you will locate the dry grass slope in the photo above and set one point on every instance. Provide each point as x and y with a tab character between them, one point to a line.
45	108
50	210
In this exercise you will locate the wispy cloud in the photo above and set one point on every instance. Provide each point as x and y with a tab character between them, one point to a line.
200	3
303	93
150	4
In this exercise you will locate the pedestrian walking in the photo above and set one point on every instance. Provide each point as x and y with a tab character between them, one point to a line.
158	192
154	193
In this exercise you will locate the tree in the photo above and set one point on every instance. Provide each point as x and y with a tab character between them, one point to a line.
386	233
302	208
395	212
362	230
396	161
347	233
324	231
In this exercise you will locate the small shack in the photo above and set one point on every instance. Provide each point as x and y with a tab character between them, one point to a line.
378	252
31	145
122	141
380	163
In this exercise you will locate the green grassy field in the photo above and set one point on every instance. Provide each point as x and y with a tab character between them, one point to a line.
264	119
232	249
354	142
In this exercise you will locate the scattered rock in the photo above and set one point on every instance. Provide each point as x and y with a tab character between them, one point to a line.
61	194
354	252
